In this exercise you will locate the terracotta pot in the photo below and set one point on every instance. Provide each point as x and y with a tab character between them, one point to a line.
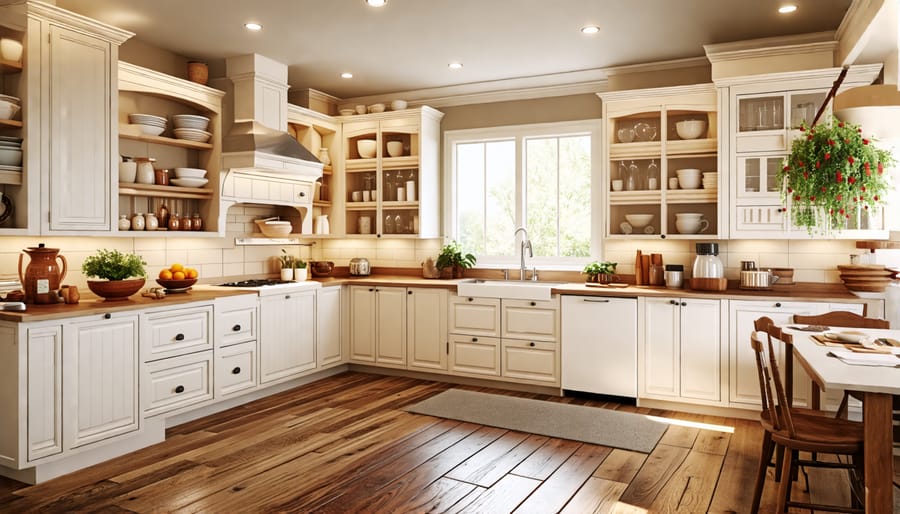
458	271
42	277
198	72
115	290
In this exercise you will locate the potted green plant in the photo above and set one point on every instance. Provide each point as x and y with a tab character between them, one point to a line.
452	257
287	265
600	271
121	275
300	270
832	174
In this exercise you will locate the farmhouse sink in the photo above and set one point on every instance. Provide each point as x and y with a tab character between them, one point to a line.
509	289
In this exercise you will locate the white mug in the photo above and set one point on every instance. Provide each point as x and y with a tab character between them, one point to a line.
365	224
366	196
673	183
686	225
356	196
617	185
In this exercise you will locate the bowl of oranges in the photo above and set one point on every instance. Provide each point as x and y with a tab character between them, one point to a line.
177	278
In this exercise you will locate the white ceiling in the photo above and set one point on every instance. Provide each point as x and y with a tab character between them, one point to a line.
407	44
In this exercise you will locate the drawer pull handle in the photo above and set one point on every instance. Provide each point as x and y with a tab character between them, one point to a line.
778	304
683	304
474	339
595	301
533	304
236	371
236	328
471	299
673	302
179	389
287	297
531	344
409	292
107	316
302	194
371	289
179	337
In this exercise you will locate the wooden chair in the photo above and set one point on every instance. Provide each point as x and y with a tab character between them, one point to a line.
794	430
839	319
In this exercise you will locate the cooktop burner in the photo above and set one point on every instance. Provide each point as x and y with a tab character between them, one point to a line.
260	282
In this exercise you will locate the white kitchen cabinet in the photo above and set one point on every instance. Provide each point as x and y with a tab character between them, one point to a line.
176	331
599	345
681	354
44	347
378	326
319	133
474	355
329	347
475	345
71	106
287	335
100	378
743	379
236	327
530	319
426	310
475	316
417	131
236	369
178	382
644	152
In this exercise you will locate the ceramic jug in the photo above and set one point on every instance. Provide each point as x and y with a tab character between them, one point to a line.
42	277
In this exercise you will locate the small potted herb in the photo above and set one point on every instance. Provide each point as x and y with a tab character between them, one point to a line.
121	275
287	265
300	270
452	257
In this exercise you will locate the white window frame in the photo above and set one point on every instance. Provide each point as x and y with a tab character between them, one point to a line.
520	133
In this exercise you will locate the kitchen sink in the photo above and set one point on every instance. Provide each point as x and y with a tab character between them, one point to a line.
509	289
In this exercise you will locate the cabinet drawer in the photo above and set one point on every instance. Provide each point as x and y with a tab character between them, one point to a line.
173	333
531	360
474	355
766	142
759	217
536	320
177	382
237	326
476	316
236	369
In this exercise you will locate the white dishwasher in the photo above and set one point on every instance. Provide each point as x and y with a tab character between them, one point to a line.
599	345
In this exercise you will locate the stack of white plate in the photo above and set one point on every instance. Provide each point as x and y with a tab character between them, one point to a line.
710	180
10	153
149	124
191	121
191	134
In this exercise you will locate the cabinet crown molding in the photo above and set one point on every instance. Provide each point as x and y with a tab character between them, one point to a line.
47	12
771	46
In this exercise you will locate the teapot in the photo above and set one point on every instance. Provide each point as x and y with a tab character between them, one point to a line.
43	276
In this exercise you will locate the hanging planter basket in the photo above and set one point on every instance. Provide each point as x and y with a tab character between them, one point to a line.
833	174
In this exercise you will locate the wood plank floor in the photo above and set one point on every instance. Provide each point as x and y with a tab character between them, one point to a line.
343	445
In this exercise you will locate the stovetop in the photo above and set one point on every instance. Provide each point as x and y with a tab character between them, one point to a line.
270	286
259	282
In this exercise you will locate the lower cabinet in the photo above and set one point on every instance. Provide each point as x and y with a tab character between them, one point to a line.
236	369
287	335
426	314
535	361
378	325
329	349
44	389
681	350
178	382
474	355
236	358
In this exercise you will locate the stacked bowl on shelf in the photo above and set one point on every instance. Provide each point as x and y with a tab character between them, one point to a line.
189	177
191	127
9	106
688	178
710	180
149	124
10	153
872	278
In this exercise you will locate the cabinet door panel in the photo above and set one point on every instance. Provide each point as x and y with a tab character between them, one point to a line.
235	369
177	382
328	326
523	319
701	362
476	316
171	333
391	326
44	391
362	323
530	360
475	355
80	131
427	313
661	331
287	345
100	359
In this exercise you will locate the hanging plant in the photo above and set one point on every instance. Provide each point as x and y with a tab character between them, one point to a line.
832	173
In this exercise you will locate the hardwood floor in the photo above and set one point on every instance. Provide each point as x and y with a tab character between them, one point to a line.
342	445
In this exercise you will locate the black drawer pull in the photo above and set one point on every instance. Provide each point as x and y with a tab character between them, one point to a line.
683	304
107	316
236	371
287	297
471	299
531	344
778	304
474	339
302	194
236	328
533	304
673	302
179	337
409	292
179	389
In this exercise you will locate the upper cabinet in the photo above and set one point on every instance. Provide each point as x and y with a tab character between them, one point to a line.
13	182
67	85
661	175
764	116
391	174
176	101
319	133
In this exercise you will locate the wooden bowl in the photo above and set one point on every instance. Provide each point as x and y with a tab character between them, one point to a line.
175	285
115	290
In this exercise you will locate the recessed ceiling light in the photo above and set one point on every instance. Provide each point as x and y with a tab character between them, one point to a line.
455	65
590	29
346	75
375	3
252	26
784	9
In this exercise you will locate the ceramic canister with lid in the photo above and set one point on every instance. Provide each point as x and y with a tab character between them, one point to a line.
707	263
674	276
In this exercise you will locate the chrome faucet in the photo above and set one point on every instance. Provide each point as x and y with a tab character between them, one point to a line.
525	245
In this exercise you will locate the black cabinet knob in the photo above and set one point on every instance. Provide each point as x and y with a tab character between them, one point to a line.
179	337
371	289
531	344
236	371
302	194
236	328
474	339
107	316
533	304
287	297
409	292
777	304
179	389
471	299
673	302
662	236
683	304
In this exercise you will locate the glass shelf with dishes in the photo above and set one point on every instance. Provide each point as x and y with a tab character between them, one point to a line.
13	184
172	127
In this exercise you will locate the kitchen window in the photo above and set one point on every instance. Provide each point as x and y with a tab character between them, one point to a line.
542	177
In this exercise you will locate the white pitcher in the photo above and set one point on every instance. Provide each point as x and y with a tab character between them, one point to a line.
322	226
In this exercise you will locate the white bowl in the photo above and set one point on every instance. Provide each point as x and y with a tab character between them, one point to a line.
10	49
10	157
190	172
190	134
398	105
374	108
189	182
639	220
14	99
626	135
191	121
690	129
274	228
689	182
347	112
366	148
147	119
8	110
151	130
395	148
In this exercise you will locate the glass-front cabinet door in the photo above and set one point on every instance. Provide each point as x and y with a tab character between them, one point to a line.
757	177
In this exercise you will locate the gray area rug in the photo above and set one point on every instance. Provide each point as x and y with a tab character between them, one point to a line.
594	425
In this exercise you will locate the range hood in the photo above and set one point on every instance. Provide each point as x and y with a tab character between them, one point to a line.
256	140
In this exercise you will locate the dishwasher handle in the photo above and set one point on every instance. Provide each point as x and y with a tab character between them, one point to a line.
591	300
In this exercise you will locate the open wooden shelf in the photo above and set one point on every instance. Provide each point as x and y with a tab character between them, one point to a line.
11	123
11	177
160	140
10	66
135	189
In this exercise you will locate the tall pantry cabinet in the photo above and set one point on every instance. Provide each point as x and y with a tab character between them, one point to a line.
69	118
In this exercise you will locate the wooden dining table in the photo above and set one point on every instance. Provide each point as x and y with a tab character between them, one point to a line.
877	384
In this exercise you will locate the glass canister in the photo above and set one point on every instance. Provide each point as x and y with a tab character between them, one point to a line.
707	263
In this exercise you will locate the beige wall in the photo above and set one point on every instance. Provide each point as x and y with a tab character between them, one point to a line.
520	112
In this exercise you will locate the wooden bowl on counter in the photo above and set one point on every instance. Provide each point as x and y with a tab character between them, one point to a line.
115	290
177	286
321	268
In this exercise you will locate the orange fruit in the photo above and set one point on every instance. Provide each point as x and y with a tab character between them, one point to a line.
178	275
176	267
191	273
165	274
